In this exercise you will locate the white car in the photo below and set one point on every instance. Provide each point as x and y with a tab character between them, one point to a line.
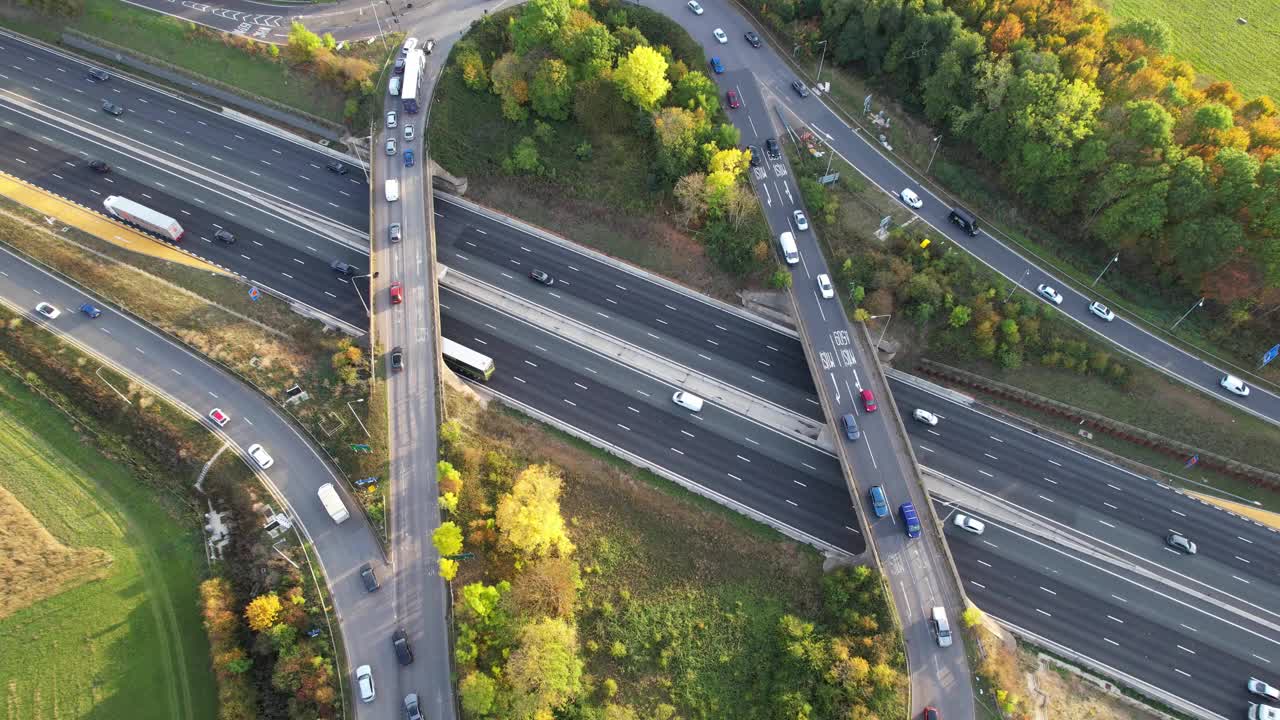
409	44
1235	385
1263	712
391	146
219	418
824	287
391	119
392	190
364	683
1050	294
695	7
911	198
802	222
970	524
408	133
720	36
1257	687
1101	311
260	456
48	310
925	417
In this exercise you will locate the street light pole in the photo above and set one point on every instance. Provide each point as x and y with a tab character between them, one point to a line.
1199	303
356	288
383	38
357	417
883	330
1104	270
818	78
1015	285
937	143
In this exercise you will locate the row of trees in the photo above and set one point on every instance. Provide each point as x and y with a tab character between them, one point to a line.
558	60
236	698
1091	124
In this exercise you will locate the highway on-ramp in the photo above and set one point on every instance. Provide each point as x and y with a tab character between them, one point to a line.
194	384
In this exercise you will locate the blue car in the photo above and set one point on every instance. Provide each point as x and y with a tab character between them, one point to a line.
879	504
909	519
408	158
90	310
717	65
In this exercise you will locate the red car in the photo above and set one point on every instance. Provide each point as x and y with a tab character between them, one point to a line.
733	99
868	401
930	713
397	293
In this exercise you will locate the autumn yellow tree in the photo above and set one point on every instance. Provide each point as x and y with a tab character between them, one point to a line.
528	517
262	611
642	77
544	672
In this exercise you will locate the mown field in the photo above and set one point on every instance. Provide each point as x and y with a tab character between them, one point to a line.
100	617
1206	33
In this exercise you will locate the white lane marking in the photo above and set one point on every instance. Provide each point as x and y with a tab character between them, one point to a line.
676	451
993	457
1187	649
1043	613
1119	598
1189	627
984	562
1104	522
922	447
1055	462
686	432
735	477
744	459
1237	577
1181	672
1114	487
624	427
570	402
1055	482
1245	539
984	472
1261	658
1045	498
1179	514
1240	559
1113	617
1113	642
993	437
975	582
1113	507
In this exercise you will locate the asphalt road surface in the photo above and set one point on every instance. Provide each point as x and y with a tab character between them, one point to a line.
1139	628
198	386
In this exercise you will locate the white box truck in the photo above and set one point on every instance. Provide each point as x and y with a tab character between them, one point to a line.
333	503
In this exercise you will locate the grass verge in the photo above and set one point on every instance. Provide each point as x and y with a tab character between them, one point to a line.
98	647
263	342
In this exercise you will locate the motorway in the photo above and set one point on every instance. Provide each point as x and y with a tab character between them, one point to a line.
197	386
248	142
1136	627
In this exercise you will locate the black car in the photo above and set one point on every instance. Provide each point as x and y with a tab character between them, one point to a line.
368	578
542	277
771	147
336	166
340	267
111	108
800	89
753	38
404	653
397	358
98	75
224	237
399	68
99	166
756	155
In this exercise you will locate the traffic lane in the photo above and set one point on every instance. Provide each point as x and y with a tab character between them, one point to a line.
646	423
297	472
603	297
1182	614
1056	602
890	178
964	429
1126	512
254	255
709	359
193	130
616	290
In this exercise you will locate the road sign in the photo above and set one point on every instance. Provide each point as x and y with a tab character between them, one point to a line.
1270	355
1192	460
866	105
254	293
828	179
361	448
460	556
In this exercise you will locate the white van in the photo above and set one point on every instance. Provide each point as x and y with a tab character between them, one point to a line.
393	87
688	401
332	503
789	251
393	190
941	626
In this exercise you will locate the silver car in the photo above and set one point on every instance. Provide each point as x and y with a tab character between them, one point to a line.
1101	311
394	232
364	683
391	146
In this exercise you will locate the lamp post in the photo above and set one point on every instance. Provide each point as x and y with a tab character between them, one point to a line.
357	417
937	143
883	330
381	36
1199	303
356	288
818	78
1015	285
1104	270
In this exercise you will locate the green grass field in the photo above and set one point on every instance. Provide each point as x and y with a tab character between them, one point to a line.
1206	33
121	640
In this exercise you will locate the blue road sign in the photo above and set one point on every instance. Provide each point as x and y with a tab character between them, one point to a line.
254	293
1270	355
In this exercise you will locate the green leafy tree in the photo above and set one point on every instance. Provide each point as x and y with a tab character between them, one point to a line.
471	65
525	157
540	21
552	89
511	84
303	44
679	134
642	77
628	38
697	91
544	672
960	316
528	518
477	692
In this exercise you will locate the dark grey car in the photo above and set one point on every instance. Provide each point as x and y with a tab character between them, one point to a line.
404	653
368	578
